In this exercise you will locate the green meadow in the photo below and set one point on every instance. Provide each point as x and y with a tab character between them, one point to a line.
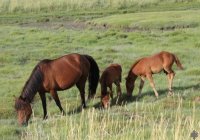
112	32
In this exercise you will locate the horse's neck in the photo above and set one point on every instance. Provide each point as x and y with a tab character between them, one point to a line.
33	84
28	96
103	87
132	76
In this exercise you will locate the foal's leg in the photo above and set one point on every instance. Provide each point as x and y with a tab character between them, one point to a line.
44	105
81	87
141	87
119	92
111	91
57	100
170	77
150	78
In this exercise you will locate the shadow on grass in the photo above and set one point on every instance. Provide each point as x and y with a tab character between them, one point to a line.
75	111
78	109
124	99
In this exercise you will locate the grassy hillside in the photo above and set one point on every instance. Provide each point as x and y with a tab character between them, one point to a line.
110	36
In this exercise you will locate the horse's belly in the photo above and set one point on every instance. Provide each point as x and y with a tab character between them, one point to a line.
156	69
67	81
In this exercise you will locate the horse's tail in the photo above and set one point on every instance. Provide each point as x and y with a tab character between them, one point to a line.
178	63
93	76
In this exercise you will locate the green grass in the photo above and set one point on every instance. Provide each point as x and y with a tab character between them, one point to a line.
152	20
26	38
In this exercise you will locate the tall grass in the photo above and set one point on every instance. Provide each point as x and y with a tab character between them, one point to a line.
38	5
141	124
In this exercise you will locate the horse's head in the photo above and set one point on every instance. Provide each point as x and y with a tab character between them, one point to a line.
24	111
129	86
105	101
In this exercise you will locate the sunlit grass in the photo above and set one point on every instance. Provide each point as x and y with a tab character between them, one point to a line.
148	20
141	121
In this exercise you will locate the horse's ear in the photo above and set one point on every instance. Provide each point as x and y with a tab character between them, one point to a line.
20	97
15	98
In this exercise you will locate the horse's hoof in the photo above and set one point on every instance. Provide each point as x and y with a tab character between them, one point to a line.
170	93
156	98
84	107
138	97
63	113
45	117
129	96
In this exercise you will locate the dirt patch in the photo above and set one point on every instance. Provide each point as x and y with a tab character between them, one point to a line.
140	28
178	27
81	25
75	25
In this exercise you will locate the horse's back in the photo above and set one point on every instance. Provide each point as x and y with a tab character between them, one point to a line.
154	63
167	58
116	67
63	72
111	74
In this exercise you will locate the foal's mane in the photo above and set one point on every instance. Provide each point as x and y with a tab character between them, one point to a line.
134	64
34	82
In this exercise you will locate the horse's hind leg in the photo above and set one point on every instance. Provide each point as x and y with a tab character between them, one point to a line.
81	87
57	100
170	76
111	91
44	105
119	92
150	78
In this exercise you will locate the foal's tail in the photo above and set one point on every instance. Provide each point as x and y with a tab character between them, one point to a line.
93	76
178	63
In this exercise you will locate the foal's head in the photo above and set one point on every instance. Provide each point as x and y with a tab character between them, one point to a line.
130	84
24	111
105	101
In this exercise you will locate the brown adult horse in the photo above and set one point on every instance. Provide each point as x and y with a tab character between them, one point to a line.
55	75
147	66
112	74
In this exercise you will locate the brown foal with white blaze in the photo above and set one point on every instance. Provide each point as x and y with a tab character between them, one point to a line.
112	74
145	67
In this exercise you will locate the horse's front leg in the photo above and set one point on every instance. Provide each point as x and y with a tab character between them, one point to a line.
57	100
81	87
150	78
141	87
44	105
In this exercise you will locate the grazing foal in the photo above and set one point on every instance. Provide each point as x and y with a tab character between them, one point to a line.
147	66
110	75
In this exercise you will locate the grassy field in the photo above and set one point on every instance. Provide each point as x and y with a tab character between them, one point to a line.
110	34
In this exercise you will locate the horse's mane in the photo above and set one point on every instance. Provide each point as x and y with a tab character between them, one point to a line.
33	83
134	64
